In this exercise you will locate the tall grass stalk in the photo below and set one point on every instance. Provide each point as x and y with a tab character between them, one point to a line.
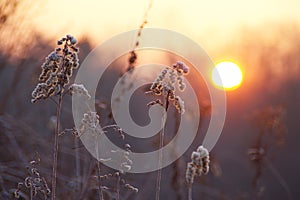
161	144
100	192
55	148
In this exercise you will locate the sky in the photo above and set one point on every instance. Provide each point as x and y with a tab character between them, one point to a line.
214	20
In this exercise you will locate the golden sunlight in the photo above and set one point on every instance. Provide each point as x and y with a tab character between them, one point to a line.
227	75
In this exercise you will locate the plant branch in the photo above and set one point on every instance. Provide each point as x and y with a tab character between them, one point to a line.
161	143
118	187
100	192
190	192
55	154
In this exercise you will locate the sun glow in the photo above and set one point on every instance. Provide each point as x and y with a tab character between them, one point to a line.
227	75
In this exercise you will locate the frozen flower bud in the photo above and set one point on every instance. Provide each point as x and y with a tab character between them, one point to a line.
203	151
181	67
190	173
179	104
71	39
199	171
127	147
17	194
199	164
48	191
54	56
34	191
182	87
127	167
28	182
79	89
196	159
205	167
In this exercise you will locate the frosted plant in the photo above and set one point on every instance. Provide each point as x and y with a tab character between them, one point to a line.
166	82
34	182
165	86
57	69
198	166
79	89
124	162
90	124
54	78
272	132
133	56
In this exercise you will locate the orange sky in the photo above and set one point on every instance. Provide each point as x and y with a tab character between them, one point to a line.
214	20
212	24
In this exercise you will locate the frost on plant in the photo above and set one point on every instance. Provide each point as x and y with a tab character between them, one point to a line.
166	83
90	124
79	89
34	182
199	164
57	69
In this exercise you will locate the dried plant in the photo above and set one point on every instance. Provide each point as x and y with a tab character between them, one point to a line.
90	124
54	78
164	86
133	55
34	182
198	166
271	122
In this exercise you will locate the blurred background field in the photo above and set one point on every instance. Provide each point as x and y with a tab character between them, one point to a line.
262	37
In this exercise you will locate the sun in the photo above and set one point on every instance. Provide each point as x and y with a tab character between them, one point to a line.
227	75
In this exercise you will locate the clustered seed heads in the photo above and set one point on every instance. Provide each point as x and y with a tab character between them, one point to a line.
122	156
199	164
165	84
122	181
90	124
79	89
57	69
124	163
34	181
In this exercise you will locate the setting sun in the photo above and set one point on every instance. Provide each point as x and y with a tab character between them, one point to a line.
227	75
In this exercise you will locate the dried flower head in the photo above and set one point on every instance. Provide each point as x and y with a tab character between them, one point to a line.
166	82
190	173
57	69
199	164
34	181
122	158
79	89
90	124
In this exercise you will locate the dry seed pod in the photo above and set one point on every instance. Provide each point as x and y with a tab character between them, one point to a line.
190	173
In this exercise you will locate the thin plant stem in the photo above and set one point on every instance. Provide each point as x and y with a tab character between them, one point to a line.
190	192
161	143
55	153
118	187
31	193
100	192
77	163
